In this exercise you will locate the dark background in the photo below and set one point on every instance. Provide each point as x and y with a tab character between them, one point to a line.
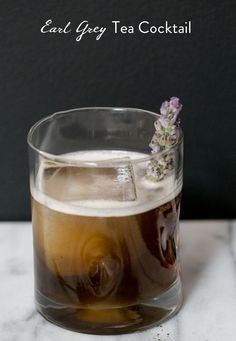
41	74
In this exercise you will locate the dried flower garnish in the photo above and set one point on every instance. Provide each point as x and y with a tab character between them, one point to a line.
164	137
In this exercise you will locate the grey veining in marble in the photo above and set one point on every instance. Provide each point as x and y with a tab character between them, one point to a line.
208	256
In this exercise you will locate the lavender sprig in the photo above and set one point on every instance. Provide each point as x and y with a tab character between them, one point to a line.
164	137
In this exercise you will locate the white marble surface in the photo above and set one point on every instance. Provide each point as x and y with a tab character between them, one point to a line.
208	253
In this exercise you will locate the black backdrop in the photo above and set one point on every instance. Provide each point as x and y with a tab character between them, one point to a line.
41	74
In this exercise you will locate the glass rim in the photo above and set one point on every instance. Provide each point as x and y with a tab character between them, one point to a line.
60	158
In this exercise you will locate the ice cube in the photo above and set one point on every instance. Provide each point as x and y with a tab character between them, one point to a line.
109	180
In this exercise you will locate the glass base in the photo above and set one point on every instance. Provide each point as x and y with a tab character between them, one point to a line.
114	320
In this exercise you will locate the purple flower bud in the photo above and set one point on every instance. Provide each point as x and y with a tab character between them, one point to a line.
175	105
164	108
171	109
175	108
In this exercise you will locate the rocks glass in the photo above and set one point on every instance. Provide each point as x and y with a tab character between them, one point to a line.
106	238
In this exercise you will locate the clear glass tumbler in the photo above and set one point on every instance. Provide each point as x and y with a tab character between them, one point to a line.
106	238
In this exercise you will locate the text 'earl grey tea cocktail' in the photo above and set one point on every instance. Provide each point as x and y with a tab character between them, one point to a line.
105	216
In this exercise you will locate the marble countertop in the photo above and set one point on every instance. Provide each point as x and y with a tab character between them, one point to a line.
208	254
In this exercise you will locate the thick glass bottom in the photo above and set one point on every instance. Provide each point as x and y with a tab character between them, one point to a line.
113	320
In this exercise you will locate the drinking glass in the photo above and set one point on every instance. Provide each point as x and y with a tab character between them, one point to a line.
106	237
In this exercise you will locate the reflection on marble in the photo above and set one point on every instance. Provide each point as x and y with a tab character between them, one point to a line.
208	254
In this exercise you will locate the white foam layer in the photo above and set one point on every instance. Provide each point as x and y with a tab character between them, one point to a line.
149	195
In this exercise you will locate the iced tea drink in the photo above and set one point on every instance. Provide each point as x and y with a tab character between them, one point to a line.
105	237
